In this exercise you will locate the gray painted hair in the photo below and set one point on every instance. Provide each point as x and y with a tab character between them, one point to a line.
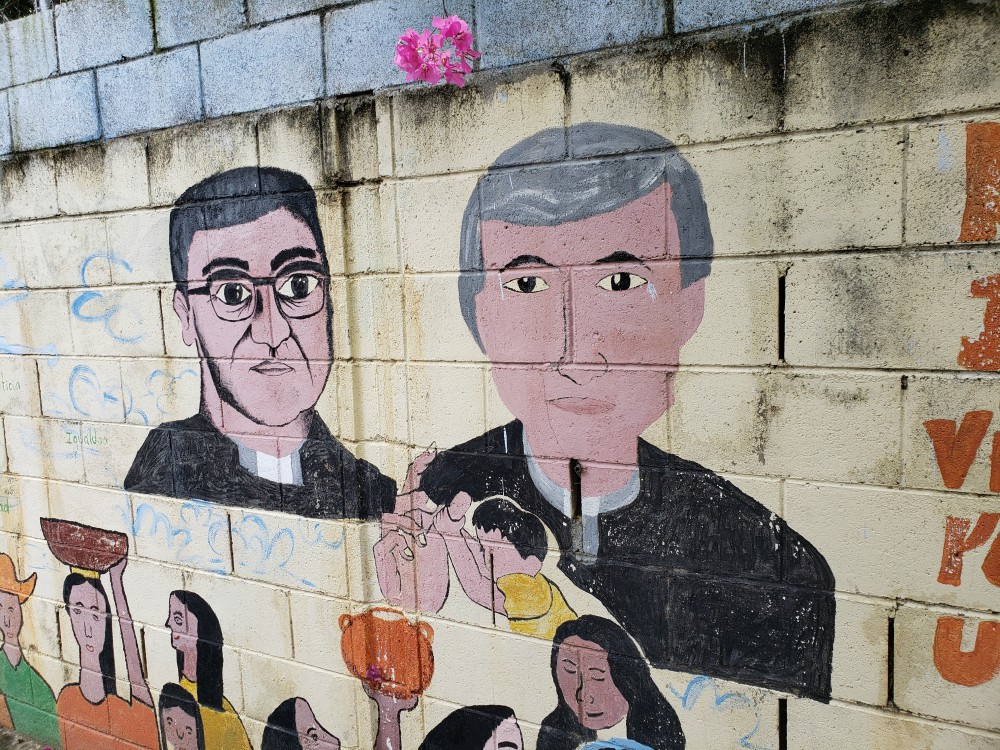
534	184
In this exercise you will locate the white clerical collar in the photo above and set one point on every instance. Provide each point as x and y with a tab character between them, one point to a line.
561	499
279	469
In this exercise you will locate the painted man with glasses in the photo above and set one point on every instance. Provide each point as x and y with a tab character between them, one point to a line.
252	296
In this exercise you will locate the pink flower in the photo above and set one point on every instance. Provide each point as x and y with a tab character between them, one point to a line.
424	56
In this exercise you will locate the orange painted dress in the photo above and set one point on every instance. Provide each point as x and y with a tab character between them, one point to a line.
112	724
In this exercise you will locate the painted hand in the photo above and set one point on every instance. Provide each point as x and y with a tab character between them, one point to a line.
411	561
450	520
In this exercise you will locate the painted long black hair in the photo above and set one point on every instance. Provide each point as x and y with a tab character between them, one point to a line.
281	732
651	720
174	696
107	655
209	663
468	728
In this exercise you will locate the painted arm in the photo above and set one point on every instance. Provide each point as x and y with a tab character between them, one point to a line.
467	554
389	736
140	689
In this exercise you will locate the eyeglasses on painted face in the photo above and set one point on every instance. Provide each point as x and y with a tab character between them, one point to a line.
299	294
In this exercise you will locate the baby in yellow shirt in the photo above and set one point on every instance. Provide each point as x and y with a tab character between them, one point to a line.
500	567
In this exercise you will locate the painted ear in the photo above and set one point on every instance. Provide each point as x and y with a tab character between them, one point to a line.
185	316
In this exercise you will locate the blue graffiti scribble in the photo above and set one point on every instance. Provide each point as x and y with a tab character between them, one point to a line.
200	538
85	388
93	306
9	347
8	280
721	703
271	551
38	557
150	405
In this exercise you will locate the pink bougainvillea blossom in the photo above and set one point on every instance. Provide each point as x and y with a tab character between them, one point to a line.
428	56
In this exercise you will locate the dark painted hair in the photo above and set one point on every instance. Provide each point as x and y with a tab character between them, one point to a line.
209	663
560	175
468	728
281	732
520	528
174	696
236	197
107	655
651	720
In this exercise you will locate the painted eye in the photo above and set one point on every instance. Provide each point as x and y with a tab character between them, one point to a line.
527	285
233	293
298	286
620	282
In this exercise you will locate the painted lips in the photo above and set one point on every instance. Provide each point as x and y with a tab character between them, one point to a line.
272	367
578	405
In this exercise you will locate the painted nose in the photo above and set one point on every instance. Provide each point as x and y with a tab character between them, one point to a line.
87	629
268	325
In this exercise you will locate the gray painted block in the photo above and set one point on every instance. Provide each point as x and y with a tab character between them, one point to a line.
54	112
97	32
361	40
32	44
150	93
522	30
182	21
702	14
269	10
279	64
6	140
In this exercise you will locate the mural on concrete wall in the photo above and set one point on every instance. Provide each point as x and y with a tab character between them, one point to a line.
581	281
252	296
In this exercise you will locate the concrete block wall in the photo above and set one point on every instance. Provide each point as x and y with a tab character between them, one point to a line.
842	375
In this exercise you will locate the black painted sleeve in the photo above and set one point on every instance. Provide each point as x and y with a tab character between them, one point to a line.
152	469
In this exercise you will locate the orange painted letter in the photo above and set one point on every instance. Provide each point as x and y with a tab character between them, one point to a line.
956	450
982	182
969	668
958	541
983	352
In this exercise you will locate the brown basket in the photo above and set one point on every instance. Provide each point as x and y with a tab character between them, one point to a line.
82	546
387	651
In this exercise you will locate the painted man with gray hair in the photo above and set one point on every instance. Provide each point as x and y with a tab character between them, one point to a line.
584	256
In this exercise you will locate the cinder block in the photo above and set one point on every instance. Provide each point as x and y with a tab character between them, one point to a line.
32	44
314	617
861	651
884	310
868	556
27	187
142	240
377	393
191	533
36	322
180	159
710	91
23	500
182	21
19	387
89	389
148	585
789	424
102	508
331	223
886	63
435	328
948	398
432	202
150	93
279	64
818	193
351	134
376	317
104	177
97	32
120	319
232	598
40	632
690	15
928	665
44	448
64	253
6	136
54	112
269	10
291	139
473	126
360	41
446	403
160	390
108	457
812	724
370	244
509	33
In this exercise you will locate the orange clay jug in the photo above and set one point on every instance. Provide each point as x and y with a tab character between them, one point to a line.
386	650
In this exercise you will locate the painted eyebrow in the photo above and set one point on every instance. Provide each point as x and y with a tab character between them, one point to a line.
526	260
620	256
224	262
293	252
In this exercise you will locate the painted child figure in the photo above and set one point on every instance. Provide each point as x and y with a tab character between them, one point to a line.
500	568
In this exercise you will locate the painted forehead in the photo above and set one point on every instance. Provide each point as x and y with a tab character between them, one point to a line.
645	229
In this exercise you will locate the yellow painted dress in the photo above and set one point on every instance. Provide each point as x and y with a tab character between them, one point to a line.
534	605
223	729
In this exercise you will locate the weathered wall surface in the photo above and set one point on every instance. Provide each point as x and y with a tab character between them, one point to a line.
794	298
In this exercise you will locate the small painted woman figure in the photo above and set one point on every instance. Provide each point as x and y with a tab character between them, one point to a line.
91	714
180	720
196	635
476	728
605	691
293	726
